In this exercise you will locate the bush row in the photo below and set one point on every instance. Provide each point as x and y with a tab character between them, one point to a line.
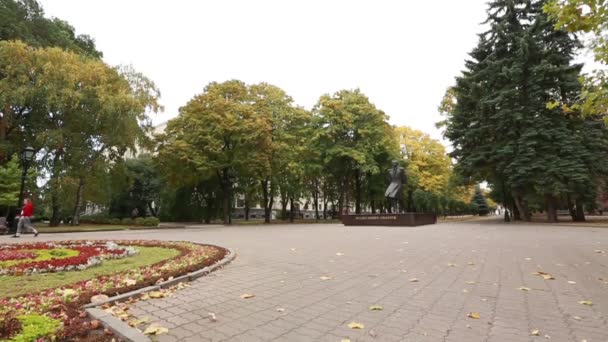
139	221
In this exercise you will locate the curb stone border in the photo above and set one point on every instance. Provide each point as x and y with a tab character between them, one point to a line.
126	332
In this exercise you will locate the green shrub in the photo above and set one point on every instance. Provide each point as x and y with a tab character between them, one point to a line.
95	219
126	221
140	221
151	221
114	221
36	326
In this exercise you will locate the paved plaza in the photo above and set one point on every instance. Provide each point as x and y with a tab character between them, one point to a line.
310	281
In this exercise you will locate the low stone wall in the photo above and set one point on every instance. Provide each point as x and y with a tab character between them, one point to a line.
404	220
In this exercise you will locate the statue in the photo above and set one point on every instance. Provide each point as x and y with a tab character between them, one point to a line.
393	193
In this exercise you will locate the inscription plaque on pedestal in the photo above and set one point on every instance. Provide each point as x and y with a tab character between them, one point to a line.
405	219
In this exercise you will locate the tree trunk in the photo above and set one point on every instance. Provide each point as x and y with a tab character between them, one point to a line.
325	208
267	194
504	202
571	209
55	219
373	205
341	199
226	189
153	211
410	201
246	210
315	197
284	201
551	208
291	210
580	211
515	211
522	207
79	194
357	192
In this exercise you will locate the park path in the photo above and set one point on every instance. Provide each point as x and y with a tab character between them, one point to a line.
311	281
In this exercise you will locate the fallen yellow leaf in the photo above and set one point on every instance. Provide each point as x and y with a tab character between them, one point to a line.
339	254
325	278
413	280
156	294
452	265
155	330
545	275
470	282
571	282
247	295
586	302
376	308
535	332
344	340
524	288
474	315
355	325
470	263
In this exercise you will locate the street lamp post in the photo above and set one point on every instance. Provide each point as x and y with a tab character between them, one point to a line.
26	157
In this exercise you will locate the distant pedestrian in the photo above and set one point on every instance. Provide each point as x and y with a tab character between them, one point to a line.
25	218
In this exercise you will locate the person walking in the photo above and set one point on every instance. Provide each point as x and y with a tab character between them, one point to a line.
25	218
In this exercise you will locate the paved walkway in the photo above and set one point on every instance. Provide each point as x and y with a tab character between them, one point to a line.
460	268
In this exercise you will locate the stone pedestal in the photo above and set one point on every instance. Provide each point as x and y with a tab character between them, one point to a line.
403	220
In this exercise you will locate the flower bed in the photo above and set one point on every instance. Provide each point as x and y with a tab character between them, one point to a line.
65	303
11	255
46	257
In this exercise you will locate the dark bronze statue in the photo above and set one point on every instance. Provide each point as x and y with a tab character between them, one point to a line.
394	191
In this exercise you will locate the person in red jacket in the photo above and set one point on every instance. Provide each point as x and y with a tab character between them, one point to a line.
25	218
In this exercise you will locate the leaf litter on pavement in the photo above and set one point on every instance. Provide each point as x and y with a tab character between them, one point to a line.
121	310
356	325
544	275
474	315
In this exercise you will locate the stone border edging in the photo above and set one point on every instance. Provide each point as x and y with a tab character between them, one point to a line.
122	329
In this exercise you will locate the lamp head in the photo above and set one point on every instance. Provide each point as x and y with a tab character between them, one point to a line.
28	154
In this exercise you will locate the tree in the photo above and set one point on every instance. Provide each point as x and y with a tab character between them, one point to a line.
350	133
10	181
428	163
77	111
275	165
24	20
216	134
501	125
142	187
479	202
589	17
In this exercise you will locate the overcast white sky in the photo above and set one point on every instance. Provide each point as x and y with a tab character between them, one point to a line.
401	54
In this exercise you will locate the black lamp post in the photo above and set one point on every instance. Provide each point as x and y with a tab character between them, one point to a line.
26	157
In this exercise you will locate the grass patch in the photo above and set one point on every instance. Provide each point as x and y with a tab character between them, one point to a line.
12	286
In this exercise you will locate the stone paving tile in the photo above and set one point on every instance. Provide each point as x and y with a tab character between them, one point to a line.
462	267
